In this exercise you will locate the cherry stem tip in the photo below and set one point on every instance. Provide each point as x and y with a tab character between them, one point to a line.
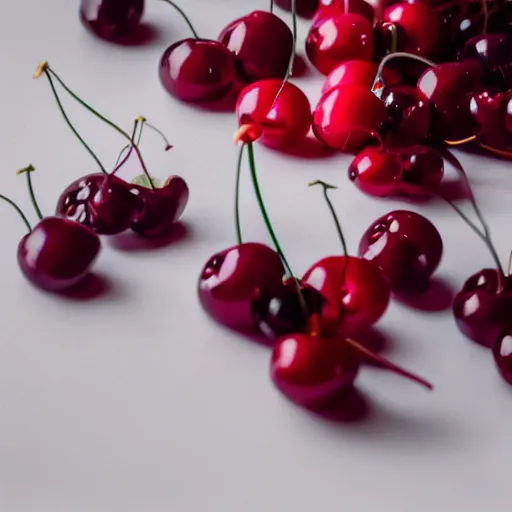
247	133
323	184
43	66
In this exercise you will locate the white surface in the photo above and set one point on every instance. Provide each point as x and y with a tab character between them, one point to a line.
137	402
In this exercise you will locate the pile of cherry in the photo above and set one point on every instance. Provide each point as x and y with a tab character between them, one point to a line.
404	81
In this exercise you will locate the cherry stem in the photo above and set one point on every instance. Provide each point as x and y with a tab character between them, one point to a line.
397	55
70	125
388	365
271	6
326	187
120	162
18	209
394	38
28	171
237	194
184	16
485	11
45	67
129	146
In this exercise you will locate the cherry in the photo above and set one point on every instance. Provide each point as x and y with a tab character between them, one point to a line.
312	371
406	246
339	38
305	8
262	45
358	72
483	307
282	111
57	253
408	116
502	351
328	8
418	28
347	117
112	20
449	87
422	171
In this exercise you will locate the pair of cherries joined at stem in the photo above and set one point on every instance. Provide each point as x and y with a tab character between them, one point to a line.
250	286
108	204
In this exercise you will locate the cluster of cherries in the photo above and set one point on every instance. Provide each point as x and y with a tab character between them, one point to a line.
59	252
404	81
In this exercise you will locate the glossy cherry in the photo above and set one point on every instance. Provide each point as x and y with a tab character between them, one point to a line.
329	8
339	38
483	307
347	117
418	26
406	246
305	8
407	118
232	279
449	87
112	20
284	119
502	351
422	171
262	45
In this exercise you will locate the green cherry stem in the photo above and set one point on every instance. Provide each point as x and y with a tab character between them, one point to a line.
45	68
70	125
237	194
28	172
18	209
271	9
326	187
121	161
184	16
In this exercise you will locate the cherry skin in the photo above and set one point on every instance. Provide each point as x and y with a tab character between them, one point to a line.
339	38
304	8
406	246
284	120
262	45
103	203
347	117
408	116
328	8
283	313
358	72
232	279
482	310
419	28
355	291
312	370
502	351
160	208
197	70
112	20
449	87
58	253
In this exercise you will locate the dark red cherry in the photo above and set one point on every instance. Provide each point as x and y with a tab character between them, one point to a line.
449	87
347	117
502	351
328	8
262	44
103	203
355	291
160	208
494	52
376	172
58	253
407	118
483	310
491	110
286	312
339	38
113	20
406	246
419	28
312	370
422	170
232	279
197	70
284	121
304	8
358	72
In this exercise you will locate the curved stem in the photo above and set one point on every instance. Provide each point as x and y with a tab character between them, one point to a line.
129	146
394	38
72	128
184	16
237	195
18	209
271	9
28	171
120	162
168	145
46	69
326	187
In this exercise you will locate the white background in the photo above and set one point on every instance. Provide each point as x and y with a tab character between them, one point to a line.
134	400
